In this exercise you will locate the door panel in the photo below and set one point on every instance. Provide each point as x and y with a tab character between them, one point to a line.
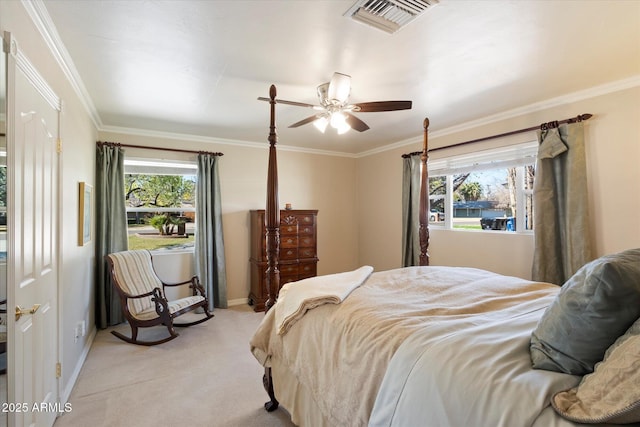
32	247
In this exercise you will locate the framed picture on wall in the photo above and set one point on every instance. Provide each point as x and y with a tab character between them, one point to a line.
85	214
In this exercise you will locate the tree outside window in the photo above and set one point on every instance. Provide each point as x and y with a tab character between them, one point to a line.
160	210
487	199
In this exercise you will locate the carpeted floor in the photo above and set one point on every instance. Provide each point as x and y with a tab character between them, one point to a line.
206	377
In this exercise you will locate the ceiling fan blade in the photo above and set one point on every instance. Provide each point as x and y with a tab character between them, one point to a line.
305	121
356	123
339	87
372	107
282	101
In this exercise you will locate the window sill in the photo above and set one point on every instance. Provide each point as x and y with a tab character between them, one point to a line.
492	232
176	251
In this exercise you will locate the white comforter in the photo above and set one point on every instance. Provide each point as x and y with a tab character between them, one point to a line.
421	346
478	374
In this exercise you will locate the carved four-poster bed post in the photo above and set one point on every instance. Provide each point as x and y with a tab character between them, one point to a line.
272	226
272	211
424	198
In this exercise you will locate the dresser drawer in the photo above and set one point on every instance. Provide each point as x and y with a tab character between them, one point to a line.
306	241
305	219
288	241
307	229
307	269
288	270
287	229
306	252
288	253
284	269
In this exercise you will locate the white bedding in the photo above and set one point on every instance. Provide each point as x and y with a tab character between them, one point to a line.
476	375
419	346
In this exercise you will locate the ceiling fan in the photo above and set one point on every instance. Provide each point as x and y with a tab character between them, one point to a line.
335	110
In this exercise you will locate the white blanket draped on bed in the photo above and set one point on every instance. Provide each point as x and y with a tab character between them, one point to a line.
467	328
296	298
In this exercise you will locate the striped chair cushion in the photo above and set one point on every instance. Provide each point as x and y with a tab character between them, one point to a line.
134	272
150	313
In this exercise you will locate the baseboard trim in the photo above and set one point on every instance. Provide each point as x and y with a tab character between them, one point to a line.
239	301
64	398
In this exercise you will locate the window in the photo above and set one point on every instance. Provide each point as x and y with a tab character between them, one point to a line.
489	190
160	203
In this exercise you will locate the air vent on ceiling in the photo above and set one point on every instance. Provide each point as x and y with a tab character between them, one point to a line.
388	15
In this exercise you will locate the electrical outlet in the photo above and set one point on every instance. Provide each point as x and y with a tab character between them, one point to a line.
79	331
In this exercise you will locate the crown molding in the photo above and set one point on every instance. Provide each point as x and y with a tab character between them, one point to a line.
42	20
592	92
219	141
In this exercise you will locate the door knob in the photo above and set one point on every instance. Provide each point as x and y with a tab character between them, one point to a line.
20	311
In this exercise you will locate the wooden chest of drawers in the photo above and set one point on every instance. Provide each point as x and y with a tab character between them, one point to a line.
298	251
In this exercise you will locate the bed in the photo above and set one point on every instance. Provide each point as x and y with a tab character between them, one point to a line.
444	346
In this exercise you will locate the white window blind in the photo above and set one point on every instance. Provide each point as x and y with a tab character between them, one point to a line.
495	158
159	167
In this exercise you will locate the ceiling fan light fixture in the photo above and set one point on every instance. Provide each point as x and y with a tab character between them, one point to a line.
338	120
339	88
321	124
343	128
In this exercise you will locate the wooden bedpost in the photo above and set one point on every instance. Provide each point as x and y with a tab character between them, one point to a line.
423	215
272	211
272	226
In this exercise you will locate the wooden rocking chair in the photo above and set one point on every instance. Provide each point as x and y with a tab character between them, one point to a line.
142	296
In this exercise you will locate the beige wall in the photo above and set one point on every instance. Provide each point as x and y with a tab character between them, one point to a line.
307	181
613	161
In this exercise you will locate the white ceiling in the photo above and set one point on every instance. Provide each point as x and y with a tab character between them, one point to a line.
197	67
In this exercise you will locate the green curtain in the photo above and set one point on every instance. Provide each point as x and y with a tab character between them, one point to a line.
410	211
209	244
560	217
111	229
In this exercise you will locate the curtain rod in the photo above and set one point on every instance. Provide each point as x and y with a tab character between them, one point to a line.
178	150
543	126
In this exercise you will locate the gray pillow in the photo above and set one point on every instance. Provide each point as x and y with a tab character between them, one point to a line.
593	308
